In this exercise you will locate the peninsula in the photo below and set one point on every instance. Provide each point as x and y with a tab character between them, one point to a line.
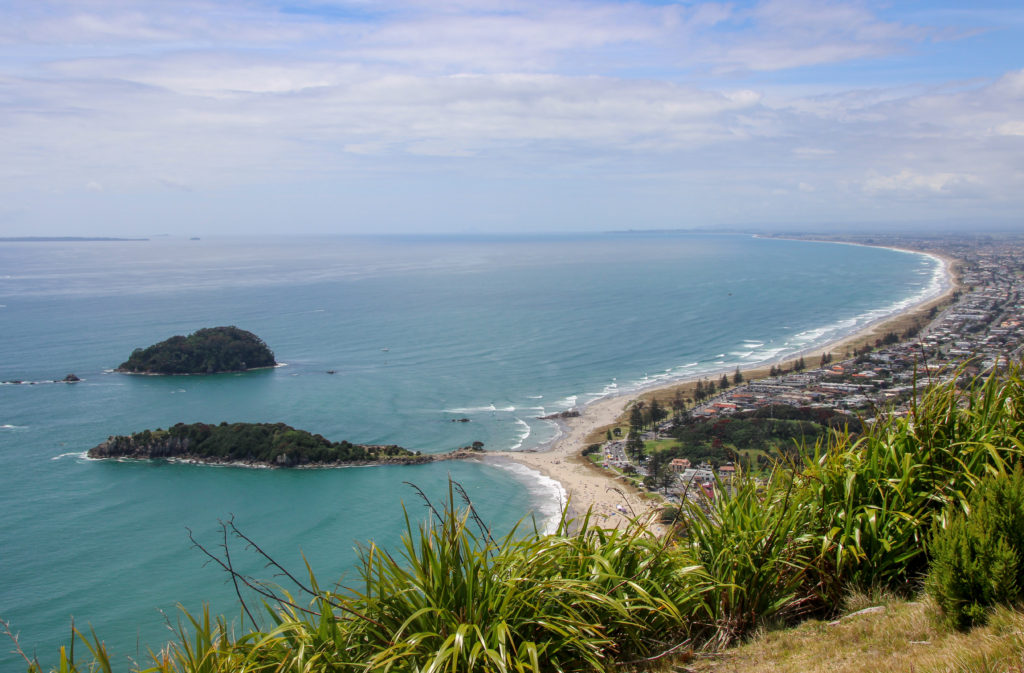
261	445
206	351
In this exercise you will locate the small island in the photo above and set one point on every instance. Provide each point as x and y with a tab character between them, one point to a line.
261	445
211	350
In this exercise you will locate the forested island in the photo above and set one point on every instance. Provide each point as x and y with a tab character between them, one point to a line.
210	350
260	444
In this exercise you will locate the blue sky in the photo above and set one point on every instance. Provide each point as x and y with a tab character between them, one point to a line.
201	117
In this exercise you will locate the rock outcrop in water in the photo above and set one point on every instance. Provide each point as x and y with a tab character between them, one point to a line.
570	413
210	350
260	445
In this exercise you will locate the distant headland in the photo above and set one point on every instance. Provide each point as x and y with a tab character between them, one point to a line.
62	239
261	445
211	350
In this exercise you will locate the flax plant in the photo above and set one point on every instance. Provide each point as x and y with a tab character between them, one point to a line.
873	498
457	600
752	542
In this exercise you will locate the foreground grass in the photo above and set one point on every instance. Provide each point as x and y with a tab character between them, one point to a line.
895	636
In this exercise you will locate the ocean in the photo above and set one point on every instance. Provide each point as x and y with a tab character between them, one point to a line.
418	330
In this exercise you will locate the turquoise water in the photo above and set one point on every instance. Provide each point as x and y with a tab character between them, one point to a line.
419	330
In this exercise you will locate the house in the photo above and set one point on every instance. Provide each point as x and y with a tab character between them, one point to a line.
679	464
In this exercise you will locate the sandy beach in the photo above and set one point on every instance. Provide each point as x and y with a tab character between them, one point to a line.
612	501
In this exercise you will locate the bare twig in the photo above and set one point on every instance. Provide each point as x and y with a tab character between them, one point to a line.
248	581
261	589
33	664
271	563
234	575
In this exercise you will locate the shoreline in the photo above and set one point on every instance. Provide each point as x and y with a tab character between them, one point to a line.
611	501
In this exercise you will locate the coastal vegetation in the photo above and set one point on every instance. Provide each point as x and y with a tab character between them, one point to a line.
852	513
754	439
273	444
206	351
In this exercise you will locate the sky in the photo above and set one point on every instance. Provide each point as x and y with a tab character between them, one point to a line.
203	117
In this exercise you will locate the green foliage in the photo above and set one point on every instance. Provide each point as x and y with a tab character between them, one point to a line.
659	471
977	561
874	499
205	351
669	514
754	547
781	428
456	600
271	443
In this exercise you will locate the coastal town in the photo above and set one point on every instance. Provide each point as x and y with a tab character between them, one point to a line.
977	329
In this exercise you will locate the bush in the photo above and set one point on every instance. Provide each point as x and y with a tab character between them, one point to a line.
752	543
668	514
977	561
874	499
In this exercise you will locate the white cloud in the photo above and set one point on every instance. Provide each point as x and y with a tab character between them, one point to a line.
907	181
204	96
1011	128
812	152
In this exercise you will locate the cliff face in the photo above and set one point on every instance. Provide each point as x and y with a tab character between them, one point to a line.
134	447
260	444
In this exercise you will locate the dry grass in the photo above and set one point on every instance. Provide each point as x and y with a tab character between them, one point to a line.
903	637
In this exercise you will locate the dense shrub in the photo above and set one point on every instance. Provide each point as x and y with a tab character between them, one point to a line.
977	561
267	443
205	351
754	545
872	500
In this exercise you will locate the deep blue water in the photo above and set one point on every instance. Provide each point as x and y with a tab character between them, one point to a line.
420	330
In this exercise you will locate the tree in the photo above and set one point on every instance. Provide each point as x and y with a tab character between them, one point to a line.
659	471
723	382
657	412
698	392
737	377
635	446
636	419
678	403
